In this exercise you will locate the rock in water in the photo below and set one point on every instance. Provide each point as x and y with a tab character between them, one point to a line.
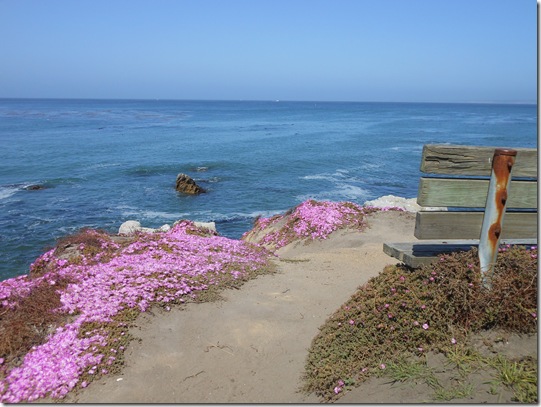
34	187
187	185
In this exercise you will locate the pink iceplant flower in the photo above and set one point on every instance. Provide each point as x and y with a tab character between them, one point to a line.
313	220
157	267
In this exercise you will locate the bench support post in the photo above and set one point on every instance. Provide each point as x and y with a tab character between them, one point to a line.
502	164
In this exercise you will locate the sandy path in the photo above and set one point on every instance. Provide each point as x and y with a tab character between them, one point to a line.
251	347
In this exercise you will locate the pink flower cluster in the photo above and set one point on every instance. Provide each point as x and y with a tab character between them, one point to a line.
156	268
52	367
313	220
339	387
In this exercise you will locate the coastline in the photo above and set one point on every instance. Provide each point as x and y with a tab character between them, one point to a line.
133	271
241	316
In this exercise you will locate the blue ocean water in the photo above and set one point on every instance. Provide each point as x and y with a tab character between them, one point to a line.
103	162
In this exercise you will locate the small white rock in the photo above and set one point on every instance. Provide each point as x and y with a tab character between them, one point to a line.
388	201
129	227
206	225
164	228
148	230
408	204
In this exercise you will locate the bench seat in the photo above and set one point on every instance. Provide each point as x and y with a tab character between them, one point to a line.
416	254
453	195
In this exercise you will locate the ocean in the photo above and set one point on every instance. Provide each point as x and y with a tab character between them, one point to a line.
102	162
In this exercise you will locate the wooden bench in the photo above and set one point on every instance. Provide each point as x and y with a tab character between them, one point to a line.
453	199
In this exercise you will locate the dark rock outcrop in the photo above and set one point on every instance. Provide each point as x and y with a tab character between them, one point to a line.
187	185
36	187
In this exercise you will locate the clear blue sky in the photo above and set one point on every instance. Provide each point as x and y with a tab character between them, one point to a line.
350	50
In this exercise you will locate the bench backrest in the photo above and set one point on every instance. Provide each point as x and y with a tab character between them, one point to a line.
458	185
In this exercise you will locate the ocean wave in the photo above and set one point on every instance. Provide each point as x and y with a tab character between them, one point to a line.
244	216
102	165
211	180
371	166
319	177
500	119
141	214
36	222
415	148
151	170
342	192
7	191
337	175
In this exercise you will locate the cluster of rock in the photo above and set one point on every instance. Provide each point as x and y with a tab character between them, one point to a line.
407	204
131	227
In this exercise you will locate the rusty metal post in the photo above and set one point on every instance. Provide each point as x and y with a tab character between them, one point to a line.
500	178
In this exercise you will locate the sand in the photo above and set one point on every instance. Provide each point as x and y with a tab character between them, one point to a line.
251	346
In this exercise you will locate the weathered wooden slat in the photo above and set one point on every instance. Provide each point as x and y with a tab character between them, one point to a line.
467	225
472	193
427	248
473	160
415	254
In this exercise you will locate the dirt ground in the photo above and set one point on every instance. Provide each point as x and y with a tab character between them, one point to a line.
251	347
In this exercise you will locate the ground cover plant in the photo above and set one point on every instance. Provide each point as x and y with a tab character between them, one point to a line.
66	323
310	220
401	315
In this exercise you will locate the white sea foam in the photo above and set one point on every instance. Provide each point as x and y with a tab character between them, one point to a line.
338	175
351	192
142	214
222	217
370	166
102	165
265	214
317	177
6	192
9	190
408	148
341	192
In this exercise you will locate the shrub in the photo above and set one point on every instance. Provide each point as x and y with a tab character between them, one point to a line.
404	311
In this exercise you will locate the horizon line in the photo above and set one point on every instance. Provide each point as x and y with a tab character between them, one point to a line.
488	102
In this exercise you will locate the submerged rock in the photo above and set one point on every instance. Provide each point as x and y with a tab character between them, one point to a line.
36	187
187	185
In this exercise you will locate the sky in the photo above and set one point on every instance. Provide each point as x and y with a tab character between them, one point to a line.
317	50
